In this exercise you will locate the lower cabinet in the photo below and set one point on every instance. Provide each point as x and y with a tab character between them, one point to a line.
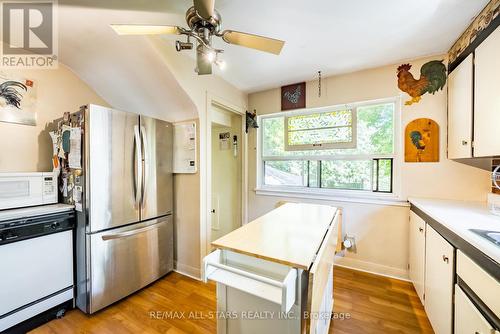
449	306
468	319
439	274
417	254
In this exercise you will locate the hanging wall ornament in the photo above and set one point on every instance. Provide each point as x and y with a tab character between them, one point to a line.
432	79
319	83
293	96
250	120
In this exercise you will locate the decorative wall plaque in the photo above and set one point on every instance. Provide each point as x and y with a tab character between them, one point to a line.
293	96
422	141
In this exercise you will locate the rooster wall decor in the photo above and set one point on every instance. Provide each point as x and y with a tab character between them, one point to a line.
17	100
432	79
422	141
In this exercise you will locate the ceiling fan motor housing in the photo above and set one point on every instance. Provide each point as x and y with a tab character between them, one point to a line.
199	24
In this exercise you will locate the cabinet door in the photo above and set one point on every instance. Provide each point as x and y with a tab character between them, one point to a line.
460	86
439	258
468	319
417	253
487	97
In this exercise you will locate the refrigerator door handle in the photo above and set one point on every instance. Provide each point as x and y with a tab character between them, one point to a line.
129	233
146	163
138	166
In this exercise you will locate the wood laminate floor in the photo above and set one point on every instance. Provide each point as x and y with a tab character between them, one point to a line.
369	304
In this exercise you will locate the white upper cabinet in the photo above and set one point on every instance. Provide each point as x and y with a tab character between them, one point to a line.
439	273
417	253
487	97
460	102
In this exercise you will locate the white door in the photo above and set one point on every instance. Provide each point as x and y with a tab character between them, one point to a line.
468	319
439	259
417	253
460	102
487	97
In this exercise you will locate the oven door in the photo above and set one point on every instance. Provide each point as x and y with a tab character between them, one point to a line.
35	268
126	259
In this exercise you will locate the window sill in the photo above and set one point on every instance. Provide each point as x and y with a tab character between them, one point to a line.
325	195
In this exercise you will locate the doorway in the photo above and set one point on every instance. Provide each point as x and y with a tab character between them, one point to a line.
226	172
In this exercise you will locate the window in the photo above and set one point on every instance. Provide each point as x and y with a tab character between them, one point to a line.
323	130
337	149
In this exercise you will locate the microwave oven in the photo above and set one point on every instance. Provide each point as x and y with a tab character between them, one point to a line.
19	190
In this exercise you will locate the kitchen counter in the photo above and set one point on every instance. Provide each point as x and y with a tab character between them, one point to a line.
32	211
289	235
460	216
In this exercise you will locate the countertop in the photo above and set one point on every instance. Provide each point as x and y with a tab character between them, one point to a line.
32	211
459	217
290	234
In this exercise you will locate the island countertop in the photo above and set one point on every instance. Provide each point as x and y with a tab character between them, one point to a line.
290	235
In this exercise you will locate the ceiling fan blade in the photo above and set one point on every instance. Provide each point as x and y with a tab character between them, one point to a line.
257	42
142	29
205	8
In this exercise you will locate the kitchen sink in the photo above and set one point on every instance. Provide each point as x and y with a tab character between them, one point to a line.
493	236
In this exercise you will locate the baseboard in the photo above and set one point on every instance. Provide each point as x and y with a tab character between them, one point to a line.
372	268
187	270
346	262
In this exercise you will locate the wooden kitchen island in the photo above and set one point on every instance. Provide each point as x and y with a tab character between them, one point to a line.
275	274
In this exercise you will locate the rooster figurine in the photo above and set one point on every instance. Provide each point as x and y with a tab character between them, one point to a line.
432	79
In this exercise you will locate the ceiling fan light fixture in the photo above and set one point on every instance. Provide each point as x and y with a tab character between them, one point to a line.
211	55
179	46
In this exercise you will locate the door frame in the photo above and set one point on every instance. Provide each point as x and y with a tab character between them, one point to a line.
206	215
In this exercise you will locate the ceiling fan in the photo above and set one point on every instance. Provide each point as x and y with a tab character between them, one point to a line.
204	22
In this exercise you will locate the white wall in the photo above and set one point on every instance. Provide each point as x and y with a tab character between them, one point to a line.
26	148
381	231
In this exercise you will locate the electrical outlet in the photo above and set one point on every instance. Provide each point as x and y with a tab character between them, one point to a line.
350	244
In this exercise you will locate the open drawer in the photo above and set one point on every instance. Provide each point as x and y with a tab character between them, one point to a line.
268	280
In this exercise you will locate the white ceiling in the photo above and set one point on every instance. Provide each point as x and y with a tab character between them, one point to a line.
339	36
334	36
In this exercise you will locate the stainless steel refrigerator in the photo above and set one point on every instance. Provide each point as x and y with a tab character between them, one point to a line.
125	227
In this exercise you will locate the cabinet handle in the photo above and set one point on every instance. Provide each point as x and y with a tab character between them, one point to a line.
464	142
446	259
420	229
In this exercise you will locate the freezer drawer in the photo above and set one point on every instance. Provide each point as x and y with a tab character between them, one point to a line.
125	260
268	280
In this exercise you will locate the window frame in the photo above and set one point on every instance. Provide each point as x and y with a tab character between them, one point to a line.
328	193
323	146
